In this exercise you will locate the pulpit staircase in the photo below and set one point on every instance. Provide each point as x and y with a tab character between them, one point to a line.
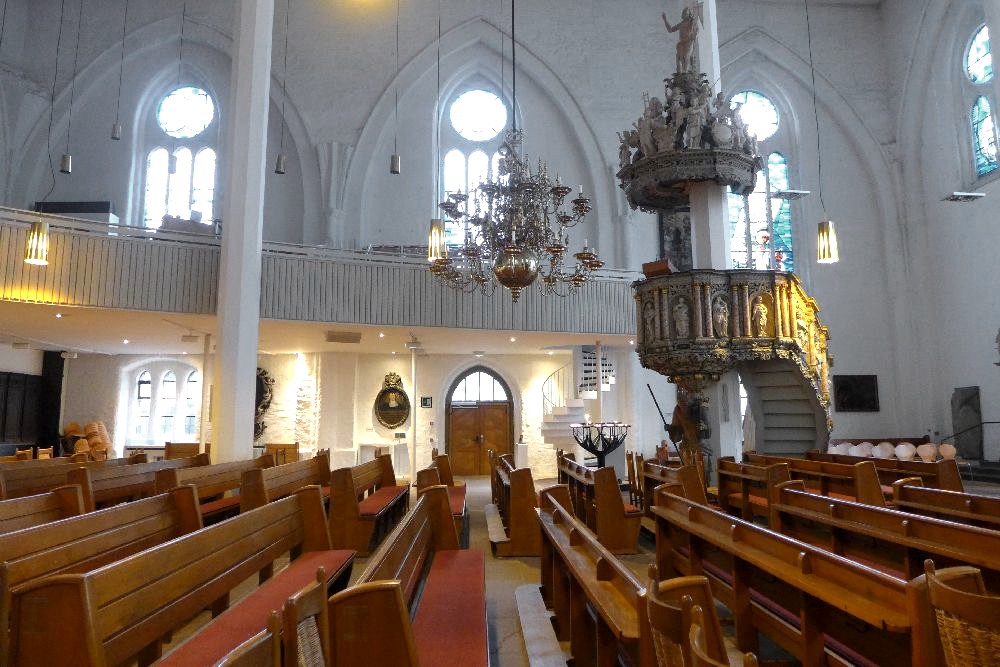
696	325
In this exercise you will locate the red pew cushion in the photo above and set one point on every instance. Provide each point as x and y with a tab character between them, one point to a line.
382	498
220	505
456	498
249	616
454	589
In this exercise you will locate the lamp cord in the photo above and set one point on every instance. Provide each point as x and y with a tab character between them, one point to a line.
395	91
513	69
72	86
121	66
437	110
3	22
284	80
52	103
812	72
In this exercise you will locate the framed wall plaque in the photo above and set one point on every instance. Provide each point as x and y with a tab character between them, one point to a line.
392	406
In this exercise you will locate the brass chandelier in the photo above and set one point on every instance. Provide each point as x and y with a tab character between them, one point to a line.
515	228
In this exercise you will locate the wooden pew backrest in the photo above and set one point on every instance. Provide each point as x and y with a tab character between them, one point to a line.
260	486
59	503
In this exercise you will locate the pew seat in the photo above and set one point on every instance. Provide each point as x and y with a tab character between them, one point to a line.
365	504
454	589
249	616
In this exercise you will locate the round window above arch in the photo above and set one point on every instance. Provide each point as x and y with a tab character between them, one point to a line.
979	59
758	113
185	112
478	115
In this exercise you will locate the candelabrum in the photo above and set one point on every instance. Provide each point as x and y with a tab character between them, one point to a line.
515	231
600	439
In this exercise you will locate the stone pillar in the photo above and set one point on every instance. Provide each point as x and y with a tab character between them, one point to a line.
709	226
239	274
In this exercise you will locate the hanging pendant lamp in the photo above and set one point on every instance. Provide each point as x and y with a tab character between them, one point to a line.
66	163
279	162
826	236
394	160
116	127
827	251
37	249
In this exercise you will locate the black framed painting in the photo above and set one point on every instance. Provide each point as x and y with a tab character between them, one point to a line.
855	393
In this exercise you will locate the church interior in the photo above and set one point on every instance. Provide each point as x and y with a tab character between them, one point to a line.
327	323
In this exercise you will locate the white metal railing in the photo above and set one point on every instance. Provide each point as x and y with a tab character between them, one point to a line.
557	389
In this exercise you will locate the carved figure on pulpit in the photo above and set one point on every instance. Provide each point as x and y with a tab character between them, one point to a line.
648	318
739	128
682	322
624	152
688	426
695	119
687	41
644	127
758	315
720	317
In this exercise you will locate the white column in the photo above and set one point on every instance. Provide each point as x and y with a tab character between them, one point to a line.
239	274
206	391
710	222
414	408
708	44
599	352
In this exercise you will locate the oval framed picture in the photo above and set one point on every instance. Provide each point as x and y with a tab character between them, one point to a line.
392	407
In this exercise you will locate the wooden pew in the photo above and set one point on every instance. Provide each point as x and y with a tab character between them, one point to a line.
370	623
942	474
744	488
431	476
213	482
909	495
578	570
597	499
86	542
857	480
121	611
29	478
106	485
259	486
689	480
514	510
888	540
817	605
365	503
59	503
183	450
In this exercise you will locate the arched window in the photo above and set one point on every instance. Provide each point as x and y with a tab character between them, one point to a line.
750	241
180	175
192	403
470	130
143	401
978	66
168	403
478	387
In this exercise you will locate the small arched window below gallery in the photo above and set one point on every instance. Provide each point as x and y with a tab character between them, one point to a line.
984	136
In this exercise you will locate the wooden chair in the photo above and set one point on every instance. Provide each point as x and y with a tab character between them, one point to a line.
81	446
261	650
968	618
668	605
24	455
79	457
44	453
699	646
306	636
282	452
634	496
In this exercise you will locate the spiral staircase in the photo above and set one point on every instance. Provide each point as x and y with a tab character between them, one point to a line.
696	325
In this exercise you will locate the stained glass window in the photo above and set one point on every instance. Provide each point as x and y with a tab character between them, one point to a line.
984	136
478	115
979	60
777	173
758	113
180	180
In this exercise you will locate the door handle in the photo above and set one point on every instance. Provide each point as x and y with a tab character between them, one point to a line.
480	439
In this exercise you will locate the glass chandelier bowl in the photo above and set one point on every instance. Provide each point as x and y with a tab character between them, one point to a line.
515	231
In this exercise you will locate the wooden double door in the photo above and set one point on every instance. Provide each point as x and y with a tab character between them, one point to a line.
474	428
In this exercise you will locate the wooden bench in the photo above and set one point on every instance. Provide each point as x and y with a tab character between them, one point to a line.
909	495
365	504
213	482
107	485
687	478
183	450
597	500
888	540
260	486
857	480
29	478
59	503
121	611
417	573
577	571
744	488
511	518
942	474
819	606
86	542
432	476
